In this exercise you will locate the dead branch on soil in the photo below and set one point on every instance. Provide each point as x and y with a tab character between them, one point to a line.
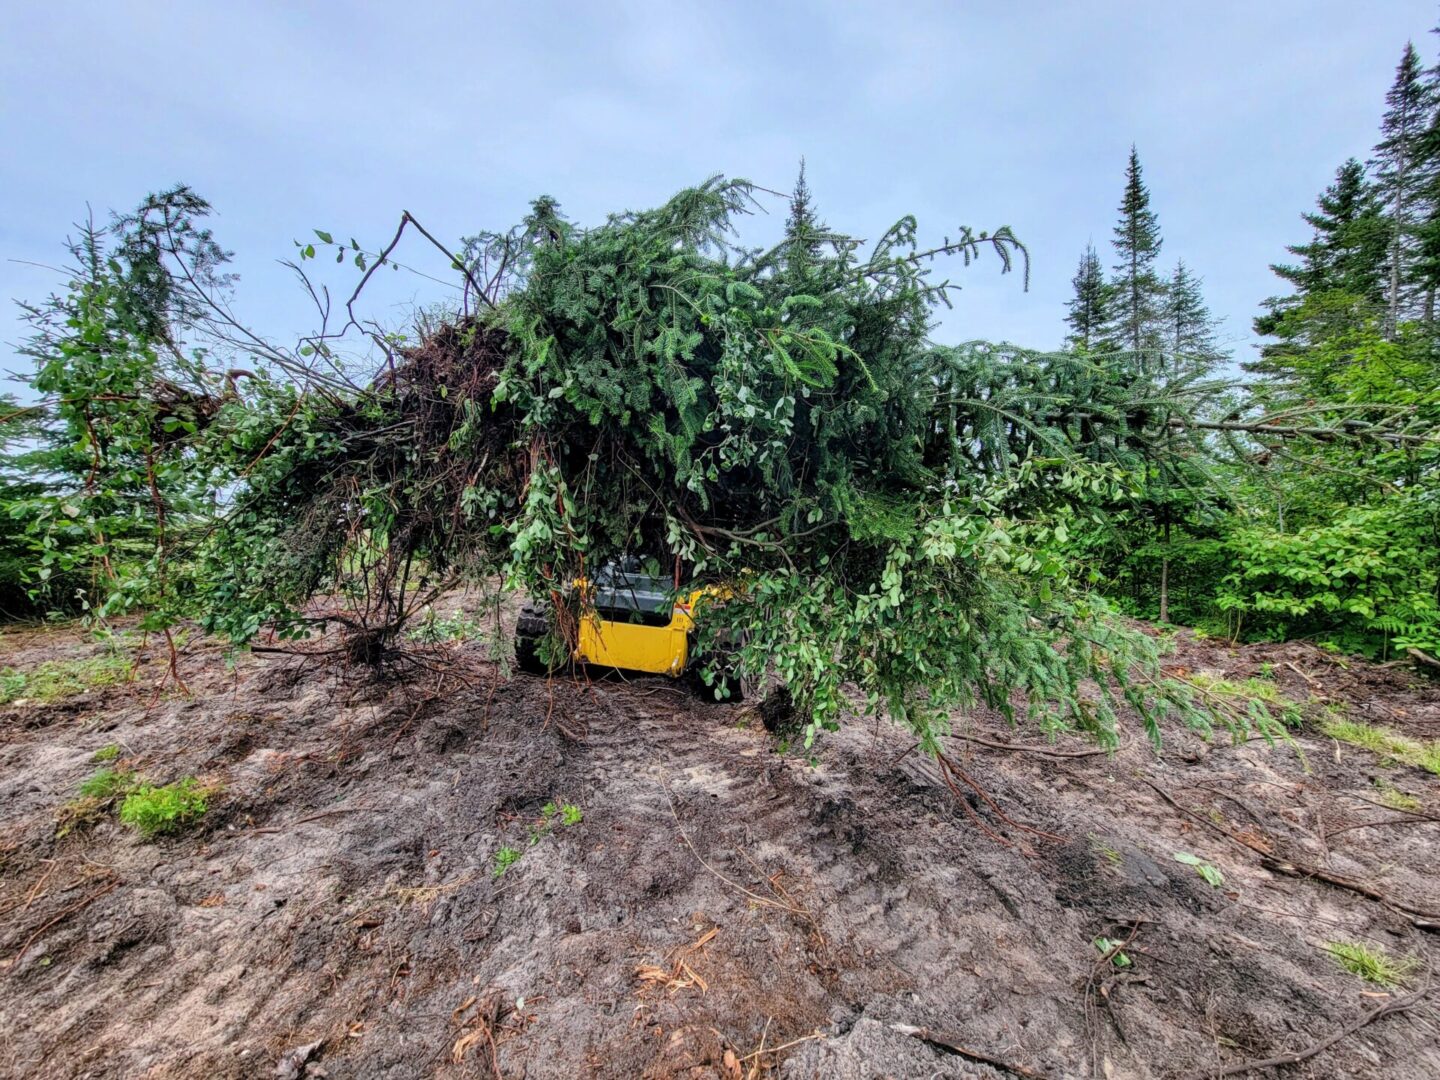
947	1044
950	771
307	820
758	1055
488	1017
1098	989
1044	751
61	917
681	975
1399	1005
756	897
1422	919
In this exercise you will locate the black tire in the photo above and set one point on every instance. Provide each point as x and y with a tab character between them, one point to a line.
531	629
729	688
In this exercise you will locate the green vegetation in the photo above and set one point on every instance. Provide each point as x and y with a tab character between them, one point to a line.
907	526
106	753
1396	799
1256	695
98	795
108	784
1212	876
1388	744
155	810
1372	964
1111	947
433	629
55	680
555	815
505	858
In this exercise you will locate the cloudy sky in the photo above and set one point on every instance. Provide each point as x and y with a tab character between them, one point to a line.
290	116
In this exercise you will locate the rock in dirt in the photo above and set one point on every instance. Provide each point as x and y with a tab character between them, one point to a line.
292	1064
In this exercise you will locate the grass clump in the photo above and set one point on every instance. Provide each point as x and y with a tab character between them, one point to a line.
1257	696
1384	742
55	680
155	810
97	795
1396	799
1372	964
106	753
108	784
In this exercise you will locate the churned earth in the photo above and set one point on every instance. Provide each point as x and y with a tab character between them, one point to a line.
682	899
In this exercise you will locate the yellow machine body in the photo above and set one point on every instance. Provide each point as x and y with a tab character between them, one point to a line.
662	650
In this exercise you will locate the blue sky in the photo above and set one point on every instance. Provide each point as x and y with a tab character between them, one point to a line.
292	116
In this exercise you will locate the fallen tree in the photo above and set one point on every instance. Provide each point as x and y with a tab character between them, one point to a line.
890	514
892	517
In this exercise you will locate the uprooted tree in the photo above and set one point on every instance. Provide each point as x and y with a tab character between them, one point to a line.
893	518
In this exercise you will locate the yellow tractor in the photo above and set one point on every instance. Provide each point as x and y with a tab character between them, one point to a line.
630	620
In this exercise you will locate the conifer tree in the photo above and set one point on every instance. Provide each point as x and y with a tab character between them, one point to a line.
1340	276
1401	175
1138	292
1190	328
803	230
1090	306
1350	246
1425	270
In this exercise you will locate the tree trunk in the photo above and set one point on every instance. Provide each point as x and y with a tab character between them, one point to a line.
1165	577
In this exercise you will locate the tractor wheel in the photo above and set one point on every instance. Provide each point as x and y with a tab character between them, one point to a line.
730	686
531	629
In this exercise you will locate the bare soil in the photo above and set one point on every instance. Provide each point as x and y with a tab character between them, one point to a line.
722	910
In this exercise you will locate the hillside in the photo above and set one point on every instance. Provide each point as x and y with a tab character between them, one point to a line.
708	906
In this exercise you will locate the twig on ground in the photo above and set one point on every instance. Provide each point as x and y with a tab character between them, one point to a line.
1427	920
1400	1004
1046	751
1423	919
71	910
733	884
306	820
950	1046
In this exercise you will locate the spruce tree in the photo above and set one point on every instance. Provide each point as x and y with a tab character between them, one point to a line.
1425	269
1400	174
803	230
1090	306
1190	328
1138	292
1349	249
1340	276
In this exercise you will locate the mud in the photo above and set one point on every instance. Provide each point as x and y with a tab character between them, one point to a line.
720	910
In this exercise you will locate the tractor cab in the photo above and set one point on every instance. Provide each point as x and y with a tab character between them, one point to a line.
631	620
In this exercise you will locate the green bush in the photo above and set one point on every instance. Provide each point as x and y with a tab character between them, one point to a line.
1365	581
154	810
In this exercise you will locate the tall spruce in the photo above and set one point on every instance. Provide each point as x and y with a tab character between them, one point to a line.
1349	249
1401	177
803	230
1426	267
1339	277
1090	306
1137	310
1190	328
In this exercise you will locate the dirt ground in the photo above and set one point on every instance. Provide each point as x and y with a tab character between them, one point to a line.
720	909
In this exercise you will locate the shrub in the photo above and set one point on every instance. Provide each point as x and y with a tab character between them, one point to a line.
154	810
